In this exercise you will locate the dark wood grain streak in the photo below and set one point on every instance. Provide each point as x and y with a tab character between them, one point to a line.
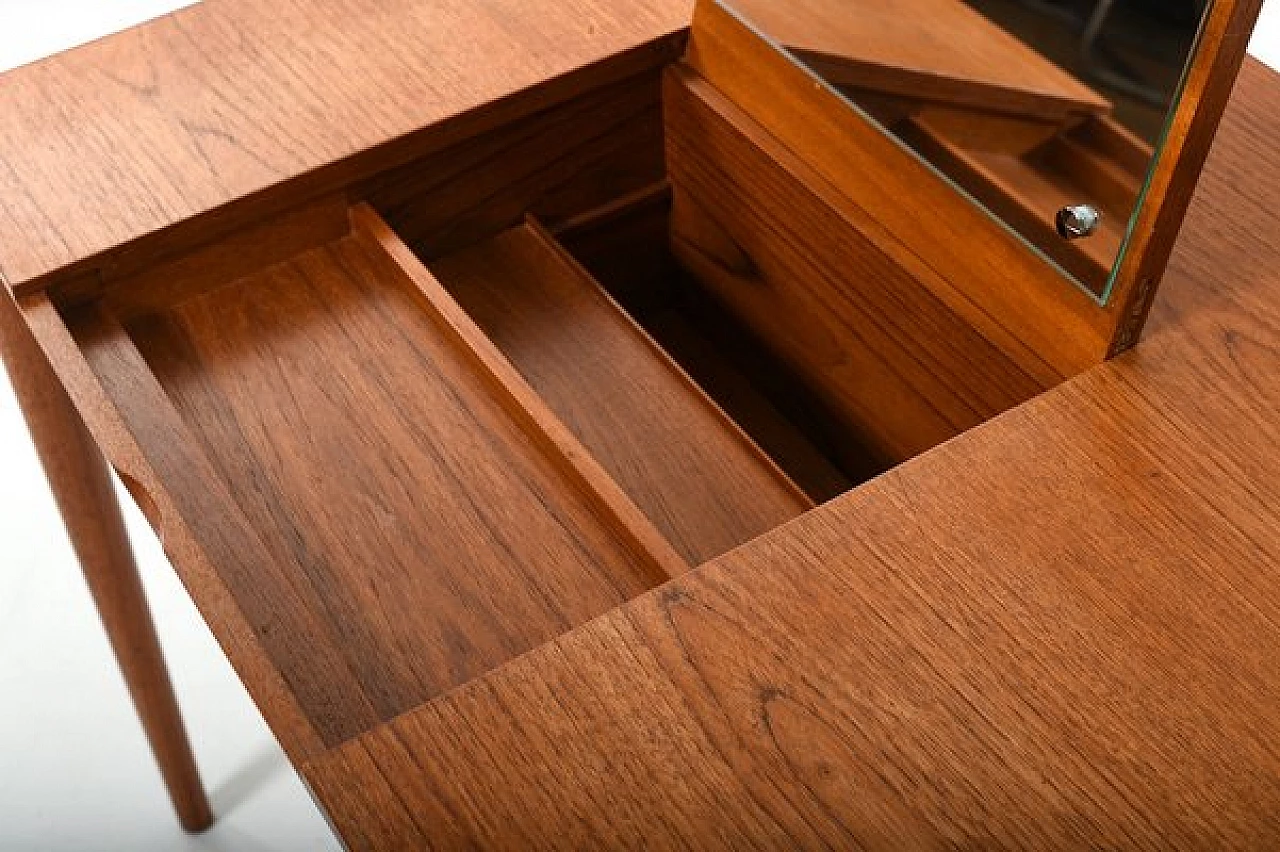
685	464
1060	630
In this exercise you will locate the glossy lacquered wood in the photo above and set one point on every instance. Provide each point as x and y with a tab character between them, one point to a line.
1056	631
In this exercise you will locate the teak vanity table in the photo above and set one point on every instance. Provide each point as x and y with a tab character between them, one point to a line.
580	431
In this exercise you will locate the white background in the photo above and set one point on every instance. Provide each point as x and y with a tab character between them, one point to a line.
75	772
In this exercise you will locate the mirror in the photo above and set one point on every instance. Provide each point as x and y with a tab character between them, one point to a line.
1046	113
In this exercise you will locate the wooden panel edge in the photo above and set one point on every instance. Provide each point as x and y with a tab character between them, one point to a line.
339	176
214	264
912	83
551	244
832	297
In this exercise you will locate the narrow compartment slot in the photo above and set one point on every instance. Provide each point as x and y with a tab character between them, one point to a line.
626	247
701	481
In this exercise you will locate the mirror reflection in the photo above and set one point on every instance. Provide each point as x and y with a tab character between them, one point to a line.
1045	112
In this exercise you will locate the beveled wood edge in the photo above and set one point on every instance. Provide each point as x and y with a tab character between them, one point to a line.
551	244
522	403
1221	49
213	599
241	253
344	176
1030	308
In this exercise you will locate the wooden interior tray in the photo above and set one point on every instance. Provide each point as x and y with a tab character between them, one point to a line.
389	502
380	485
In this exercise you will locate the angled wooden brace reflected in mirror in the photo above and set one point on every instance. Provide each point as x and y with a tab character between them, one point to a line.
1078	125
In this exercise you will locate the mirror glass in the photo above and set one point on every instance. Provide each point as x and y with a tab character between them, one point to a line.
1046	113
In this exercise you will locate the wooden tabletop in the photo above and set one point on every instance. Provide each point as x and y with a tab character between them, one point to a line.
221	102
1061	629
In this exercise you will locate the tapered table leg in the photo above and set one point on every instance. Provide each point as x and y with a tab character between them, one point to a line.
86	499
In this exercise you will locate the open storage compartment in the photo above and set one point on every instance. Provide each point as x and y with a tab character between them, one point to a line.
413	492
429	423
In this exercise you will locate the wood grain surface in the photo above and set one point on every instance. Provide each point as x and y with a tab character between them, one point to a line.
822	283
1059	630
940	50
983	273
557	164
388	517
1206	89
684	463
230	104
81	484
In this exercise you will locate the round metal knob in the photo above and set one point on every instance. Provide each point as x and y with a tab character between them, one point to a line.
1078	220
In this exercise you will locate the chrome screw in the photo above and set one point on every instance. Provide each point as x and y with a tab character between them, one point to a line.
1078	220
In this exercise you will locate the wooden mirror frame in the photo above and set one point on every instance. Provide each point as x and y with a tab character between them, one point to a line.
1218	53
989	276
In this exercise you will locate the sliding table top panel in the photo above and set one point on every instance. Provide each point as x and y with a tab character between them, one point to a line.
121	138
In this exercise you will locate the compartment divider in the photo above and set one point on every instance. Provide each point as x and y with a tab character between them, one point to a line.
685	463
387	503
522	402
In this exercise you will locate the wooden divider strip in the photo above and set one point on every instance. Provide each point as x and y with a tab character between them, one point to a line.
687	466
522	402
